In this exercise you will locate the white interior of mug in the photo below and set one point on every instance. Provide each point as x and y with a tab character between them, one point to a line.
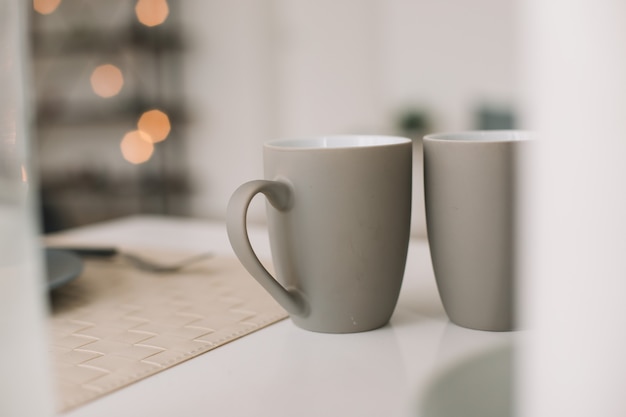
482	136
343	141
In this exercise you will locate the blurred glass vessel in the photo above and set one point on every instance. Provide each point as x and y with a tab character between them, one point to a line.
24	366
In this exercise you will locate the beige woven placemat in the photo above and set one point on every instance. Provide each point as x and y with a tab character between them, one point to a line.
115	324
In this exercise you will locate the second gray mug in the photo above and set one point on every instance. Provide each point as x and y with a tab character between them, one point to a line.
470	185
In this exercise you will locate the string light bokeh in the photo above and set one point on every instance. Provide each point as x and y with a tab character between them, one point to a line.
107	80
156	124
152	12
46	6
136	147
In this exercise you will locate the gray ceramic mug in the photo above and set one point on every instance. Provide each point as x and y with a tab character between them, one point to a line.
339	211
471	184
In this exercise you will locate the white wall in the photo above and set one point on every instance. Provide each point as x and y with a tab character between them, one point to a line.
449	55
328	65
228	82
260	69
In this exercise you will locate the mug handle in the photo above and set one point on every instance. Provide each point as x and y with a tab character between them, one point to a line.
279	194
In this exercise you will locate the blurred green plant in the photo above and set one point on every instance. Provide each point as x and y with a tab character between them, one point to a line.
413	122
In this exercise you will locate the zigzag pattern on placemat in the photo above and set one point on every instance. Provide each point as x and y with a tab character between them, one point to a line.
116	325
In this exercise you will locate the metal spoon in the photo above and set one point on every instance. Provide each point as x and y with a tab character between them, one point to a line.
136	260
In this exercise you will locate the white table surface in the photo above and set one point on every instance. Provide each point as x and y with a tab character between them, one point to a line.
282	370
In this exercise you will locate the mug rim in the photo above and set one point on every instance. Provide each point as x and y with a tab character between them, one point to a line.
482	136
330	142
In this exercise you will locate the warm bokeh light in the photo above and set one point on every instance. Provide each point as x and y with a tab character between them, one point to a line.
152	12
45	6
107	80
156	124
136	147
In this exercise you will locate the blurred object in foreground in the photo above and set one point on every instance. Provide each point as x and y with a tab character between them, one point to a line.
24	373
573	362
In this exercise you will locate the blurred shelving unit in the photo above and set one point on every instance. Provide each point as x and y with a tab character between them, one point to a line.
96	69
